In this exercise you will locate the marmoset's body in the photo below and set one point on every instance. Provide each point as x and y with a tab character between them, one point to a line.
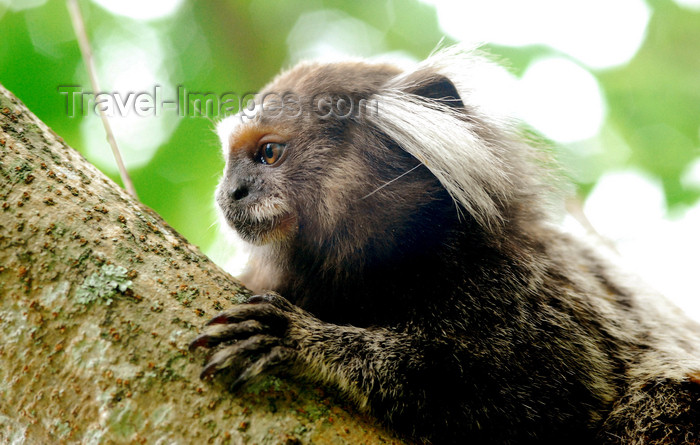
405	228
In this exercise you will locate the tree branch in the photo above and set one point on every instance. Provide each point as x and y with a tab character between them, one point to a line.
98	300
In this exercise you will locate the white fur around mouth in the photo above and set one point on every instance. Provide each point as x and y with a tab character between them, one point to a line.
267	209
261	231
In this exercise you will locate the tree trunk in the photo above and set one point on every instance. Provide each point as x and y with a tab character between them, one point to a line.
98	300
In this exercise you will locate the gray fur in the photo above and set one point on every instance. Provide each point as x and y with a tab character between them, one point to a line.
440	297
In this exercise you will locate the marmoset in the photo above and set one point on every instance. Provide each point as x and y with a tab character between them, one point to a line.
406	256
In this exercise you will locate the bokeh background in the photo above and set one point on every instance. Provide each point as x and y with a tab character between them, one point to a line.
615	85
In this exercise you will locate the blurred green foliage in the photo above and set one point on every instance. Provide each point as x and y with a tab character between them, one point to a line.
238	45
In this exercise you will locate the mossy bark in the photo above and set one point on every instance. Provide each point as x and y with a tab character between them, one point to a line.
99	298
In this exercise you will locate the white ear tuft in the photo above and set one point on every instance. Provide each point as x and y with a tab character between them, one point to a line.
439	137
467	149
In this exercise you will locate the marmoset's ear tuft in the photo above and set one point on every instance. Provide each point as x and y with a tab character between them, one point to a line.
439	88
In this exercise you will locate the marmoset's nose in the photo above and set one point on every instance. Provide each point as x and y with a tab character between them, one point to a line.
240	192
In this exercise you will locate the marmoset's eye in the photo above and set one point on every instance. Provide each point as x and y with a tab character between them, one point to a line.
271	152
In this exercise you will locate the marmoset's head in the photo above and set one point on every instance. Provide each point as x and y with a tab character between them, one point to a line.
353	156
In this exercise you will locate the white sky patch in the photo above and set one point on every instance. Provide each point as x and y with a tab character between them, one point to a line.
561	100
599	33
237	262
693	5
228	250
332	34
402	59
691	176
141	9
629	209
128	65
624	204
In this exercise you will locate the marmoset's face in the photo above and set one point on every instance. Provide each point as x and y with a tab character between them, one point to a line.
305	165
252	195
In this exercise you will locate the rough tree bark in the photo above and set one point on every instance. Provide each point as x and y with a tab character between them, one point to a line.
98	300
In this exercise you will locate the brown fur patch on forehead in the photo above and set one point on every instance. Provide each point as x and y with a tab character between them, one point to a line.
353	78
248	137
